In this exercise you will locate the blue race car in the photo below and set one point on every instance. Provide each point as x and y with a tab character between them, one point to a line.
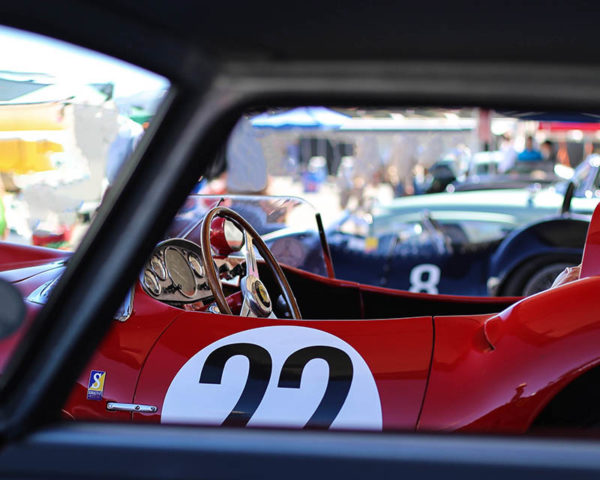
459	252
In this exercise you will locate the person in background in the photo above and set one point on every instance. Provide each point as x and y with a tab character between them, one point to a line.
3	224
243	167
562	155
548	156
246	162
401	161
530	154
127	138
547	151
345	180
509	154
244	173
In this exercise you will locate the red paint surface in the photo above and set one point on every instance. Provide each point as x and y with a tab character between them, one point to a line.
568	126
540	345
489	373
121	355
397	352
590	265
218	240
19	256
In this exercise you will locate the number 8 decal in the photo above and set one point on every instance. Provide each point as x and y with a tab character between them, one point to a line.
425	278
283	376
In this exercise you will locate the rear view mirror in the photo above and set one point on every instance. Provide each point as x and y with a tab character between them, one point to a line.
225	236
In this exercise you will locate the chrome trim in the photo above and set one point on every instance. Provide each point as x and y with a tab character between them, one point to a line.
170	291
130	407
40	296
234	241
126	308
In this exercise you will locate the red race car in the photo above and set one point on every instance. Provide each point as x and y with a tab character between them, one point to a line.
213	333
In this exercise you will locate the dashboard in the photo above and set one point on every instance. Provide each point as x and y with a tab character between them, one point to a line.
174	273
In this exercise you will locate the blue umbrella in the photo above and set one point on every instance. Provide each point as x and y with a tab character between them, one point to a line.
301	117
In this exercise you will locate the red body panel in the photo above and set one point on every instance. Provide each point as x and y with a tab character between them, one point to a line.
539	345
121	355
492	372
14	256
590	264
397	352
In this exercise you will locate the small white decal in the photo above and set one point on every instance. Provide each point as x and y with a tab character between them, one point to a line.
425	278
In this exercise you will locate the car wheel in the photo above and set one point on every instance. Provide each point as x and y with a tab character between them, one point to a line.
536	275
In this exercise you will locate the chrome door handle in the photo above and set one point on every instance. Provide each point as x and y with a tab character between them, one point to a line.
130	407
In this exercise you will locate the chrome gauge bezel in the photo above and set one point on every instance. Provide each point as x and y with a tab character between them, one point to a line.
228	267
151	282
196	265
158	266
180	271
170	288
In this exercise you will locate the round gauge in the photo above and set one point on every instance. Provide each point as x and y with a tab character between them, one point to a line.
151	282
158	267
180	272
196	266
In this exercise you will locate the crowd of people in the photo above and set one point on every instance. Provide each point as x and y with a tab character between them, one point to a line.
530	158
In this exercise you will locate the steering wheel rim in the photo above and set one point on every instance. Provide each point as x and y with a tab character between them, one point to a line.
210	272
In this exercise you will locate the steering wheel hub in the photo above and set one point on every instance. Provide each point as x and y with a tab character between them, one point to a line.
257	296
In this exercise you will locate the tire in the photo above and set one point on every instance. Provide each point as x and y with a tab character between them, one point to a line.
536	275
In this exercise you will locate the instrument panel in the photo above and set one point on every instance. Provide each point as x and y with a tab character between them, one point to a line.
174	273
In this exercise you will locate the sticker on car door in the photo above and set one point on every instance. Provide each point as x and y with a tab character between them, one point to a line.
280	376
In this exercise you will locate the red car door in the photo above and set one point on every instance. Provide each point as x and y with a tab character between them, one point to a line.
227	370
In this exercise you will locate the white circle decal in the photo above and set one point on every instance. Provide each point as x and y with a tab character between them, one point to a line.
281	376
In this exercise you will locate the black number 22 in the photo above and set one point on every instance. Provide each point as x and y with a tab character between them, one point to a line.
259	373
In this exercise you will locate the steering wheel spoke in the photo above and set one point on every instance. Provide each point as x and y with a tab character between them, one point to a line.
251	266
246	311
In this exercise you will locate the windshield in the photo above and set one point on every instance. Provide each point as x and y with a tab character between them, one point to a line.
583	177
287	225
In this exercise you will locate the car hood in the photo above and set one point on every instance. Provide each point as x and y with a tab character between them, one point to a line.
524	205
19	262
20	274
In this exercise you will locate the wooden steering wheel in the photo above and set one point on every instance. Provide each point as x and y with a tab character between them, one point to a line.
257	301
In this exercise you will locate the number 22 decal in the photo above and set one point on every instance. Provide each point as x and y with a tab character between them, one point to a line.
338	385
281	376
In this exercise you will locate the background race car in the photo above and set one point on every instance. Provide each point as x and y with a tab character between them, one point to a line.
450	251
